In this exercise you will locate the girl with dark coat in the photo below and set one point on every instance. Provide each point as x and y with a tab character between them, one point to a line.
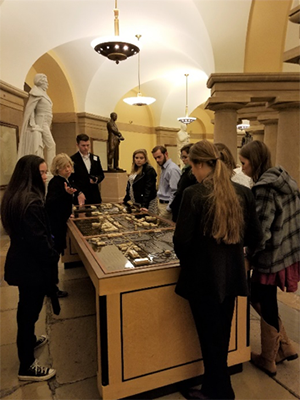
31	262
141	186
276	263
217	218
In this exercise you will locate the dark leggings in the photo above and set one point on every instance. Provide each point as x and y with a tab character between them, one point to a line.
266	297
29	307
213	324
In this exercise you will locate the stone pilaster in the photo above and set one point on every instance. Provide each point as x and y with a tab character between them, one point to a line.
288	138
270	122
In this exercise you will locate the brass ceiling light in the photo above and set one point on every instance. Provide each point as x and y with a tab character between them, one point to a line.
115	48
186	119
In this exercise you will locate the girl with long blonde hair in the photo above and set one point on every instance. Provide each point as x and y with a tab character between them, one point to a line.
217	218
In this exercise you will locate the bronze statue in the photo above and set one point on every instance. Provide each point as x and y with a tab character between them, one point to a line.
114	138
247	138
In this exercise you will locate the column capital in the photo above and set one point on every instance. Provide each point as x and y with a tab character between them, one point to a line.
270	118
220	103
285	102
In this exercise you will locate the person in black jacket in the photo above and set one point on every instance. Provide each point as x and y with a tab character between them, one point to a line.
88	173
31	261
217	218
141	186
59	202
187	179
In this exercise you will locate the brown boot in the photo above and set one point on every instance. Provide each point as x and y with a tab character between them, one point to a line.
270	340
286	350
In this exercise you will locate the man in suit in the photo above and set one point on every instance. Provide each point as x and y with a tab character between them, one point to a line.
88	173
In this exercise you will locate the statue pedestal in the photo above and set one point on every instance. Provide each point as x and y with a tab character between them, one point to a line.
113	187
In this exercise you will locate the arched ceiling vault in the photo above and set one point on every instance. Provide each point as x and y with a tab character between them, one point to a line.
198	37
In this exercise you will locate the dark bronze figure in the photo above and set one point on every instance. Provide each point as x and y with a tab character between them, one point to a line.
114	138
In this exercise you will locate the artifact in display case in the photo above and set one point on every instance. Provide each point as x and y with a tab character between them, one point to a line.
104	224
90	210
140	249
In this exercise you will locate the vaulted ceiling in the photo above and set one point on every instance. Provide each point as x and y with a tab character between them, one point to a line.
198	37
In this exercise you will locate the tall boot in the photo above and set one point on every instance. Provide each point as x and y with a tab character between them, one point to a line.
286	350
270	340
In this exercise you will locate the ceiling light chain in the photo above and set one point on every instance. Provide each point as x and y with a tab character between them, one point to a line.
139	65
116	20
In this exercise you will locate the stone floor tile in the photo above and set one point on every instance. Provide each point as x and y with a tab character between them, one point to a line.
73	348
79	272
9	297
290	299
81	300
253	384
4	245
83	390
9	367
288	373
31	391
8	327
172	396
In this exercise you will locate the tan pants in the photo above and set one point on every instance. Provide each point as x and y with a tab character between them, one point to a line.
162	212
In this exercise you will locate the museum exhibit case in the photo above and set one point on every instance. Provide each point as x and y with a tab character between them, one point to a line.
146	336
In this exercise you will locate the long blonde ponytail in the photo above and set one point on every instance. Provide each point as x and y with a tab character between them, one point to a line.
224	219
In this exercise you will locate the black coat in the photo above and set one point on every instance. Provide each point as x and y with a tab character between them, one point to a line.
144	187
209	268
59	209
80	179
31	258
187	179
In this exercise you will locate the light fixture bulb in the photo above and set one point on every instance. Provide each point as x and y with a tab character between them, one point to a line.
139	100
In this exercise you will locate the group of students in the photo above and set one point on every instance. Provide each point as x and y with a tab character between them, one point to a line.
219	223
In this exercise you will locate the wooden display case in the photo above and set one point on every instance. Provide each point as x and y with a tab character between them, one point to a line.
146	336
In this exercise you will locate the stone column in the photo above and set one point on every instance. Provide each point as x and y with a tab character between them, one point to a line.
225	122
288	138
257	134
270	121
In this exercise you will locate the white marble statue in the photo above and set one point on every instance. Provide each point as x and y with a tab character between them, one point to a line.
183	138
35	133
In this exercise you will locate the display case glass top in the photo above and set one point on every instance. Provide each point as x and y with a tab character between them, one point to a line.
123	239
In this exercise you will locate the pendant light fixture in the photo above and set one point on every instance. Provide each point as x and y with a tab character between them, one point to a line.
244	125
115	48
186	120
139	100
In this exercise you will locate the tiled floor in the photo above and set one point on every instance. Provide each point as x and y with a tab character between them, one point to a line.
72	347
